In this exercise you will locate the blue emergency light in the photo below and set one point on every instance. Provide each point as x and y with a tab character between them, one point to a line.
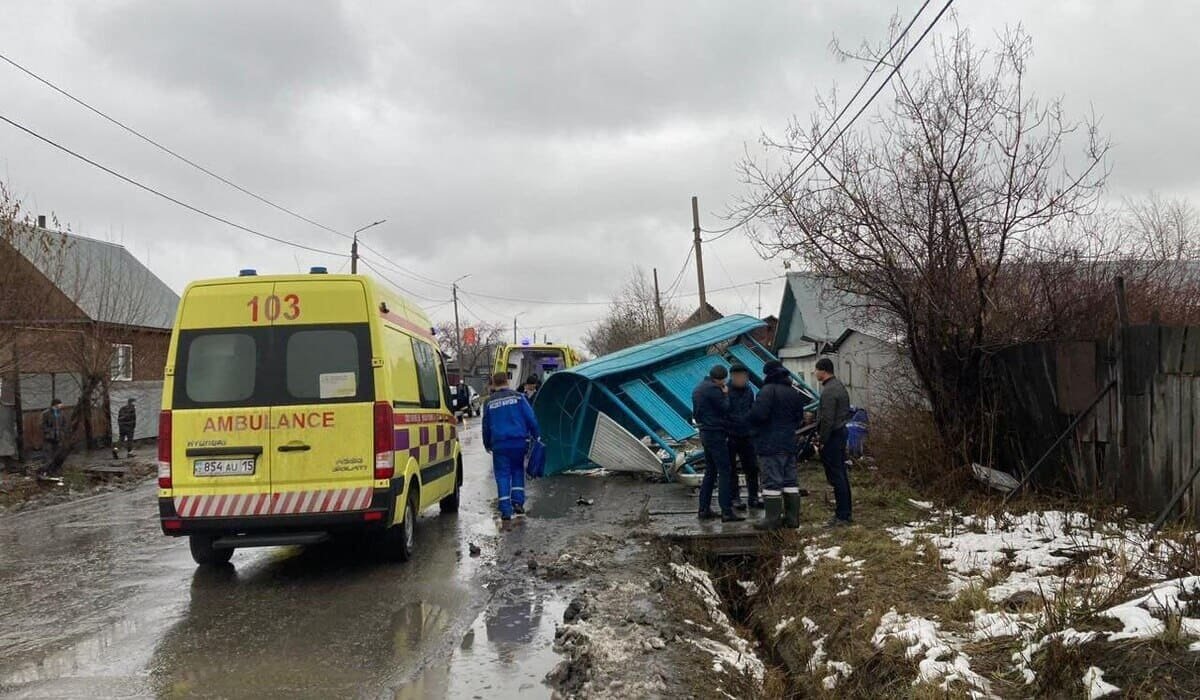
247	272
318	270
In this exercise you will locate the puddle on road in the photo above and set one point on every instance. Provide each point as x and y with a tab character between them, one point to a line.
507	652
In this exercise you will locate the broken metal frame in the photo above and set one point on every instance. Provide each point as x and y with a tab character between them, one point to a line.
637	420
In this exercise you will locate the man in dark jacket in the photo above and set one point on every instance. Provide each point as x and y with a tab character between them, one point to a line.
741	446
710	410
508	427
126	423
832	416
776	415
55	438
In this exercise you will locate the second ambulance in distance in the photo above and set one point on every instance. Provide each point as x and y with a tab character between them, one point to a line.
297	407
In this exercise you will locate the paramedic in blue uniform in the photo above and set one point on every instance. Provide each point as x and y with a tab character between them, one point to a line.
710	410
508	428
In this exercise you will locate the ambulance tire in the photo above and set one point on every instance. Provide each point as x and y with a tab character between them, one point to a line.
399	541
449	504
204	554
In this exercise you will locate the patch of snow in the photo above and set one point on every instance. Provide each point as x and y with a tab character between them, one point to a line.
942	659
993	625
738	653
1166	598
817	660
1194	646
809	625
813	554
784	624
923	505
785	567
750	587
840	670
1093	682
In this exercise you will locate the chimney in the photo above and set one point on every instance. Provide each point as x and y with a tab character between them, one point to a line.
41	221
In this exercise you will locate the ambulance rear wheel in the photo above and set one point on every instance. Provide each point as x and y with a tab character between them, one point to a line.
449	504
399	540
204	554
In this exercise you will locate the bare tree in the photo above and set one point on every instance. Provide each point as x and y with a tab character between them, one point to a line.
632	317
953	213
475	355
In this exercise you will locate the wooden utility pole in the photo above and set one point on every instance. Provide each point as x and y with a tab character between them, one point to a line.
658	309
699	258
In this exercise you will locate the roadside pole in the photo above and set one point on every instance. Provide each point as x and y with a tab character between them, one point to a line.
699	258
457	334
354	256
658	309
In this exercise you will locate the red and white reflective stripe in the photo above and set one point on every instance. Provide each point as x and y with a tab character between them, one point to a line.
288	502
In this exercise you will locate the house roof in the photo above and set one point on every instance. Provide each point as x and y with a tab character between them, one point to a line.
822	312
695	319
103	279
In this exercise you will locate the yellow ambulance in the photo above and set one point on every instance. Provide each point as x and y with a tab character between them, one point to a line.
520	362
298	407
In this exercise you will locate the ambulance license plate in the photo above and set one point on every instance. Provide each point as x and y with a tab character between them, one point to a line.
223	467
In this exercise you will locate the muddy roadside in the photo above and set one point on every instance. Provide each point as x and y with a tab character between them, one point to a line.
85	473
638	620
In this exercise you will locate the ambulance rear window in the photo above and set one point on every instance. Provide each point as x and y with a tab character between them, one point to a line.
274	366
221	368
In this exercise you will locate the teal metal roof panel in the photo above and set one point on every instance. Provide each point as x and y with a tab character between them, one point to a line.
749	358
681	379
660	413
663	349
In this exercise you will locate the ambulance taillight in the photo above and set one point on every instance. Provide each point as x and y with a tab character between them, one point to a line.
164	450
385	441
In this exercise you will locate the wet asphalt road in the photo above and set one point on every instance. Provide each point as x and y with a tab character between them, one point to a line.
95	602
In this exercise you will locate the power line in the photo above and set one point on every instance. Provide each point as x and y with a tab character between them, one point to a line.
384	260
167	197
167	150
392	282
778	191
679	277
730	277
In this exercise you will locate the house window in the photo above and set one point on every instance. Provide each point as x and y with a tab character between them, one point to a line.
122	363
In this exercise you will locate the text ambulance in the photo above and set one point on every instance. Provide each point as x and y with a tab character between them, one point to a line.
301	406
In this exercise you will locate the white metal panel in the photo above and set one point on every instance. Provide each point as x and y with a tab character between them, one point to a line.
616	449
147	397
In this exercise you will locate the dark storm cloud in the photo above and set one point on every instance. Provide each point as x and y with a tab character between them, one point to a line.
237	54
545	147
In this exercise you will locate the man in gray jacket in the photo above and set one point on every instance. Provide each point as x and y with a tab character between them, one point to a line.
832	416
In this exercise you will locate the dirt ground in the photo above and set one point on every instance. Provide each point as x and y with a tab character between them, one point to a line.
21	490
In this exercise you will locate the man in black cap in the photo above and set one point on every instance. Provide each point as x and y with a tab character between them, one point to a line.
741	447
832	417
776	415
710	410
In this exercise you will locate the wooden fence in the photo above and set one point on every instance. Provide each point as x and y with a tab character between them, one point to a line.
1139	442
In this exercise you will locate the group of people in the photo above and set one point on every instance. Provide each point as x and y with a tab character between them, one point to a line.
742	433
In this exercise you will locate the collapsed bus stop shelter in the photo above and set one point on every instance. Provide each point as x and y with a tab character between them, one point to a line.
632	410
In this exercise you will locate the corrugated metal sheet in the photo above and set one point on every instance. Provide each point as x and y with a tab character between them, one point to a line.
748	357
681	379
657	410
614	448
663	349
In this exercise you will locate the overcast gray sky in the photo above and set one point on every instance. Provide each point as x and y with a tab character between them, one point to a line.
541	147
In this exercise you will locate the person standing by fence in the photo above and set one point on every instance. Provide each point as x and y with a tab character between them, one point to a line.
55	438
832	417
126	424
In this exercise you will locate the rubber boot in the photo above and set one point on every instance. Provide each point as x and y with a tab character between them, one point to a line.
791	510
773	518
